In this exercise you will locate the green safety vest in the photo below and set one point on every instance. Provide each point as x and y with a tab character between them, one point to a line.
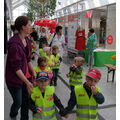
37	69
87	108
56	59
76	79
46	104
42	53
50	60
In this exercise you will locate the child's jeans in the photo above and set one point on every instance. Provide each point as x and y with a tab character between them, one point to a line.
55	75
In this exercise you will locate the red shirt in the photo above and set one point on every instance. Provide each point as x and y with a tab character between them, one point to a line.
80	40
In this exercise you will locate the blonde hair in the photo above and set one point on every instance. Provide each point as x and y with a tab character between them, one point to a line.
80	59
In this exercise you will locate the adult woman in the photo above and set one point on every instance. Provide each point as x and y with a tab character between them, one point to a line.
18	66
91	45
58	39
43	37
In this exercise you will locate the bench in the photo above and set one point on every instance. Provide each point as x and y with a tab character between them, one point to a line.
110	68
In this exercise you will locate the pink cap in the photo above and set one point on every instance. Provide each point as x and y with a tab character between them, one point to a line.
94	73
46	49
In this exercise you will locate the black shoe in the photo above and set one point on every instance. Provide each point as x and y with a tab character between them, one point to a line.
14	118
55	83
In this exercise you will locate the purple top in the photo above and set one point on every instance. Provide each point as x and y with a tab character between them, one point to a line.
16	60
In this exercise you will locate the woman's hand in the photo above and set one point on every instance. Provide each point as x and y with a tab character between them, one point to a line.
29	87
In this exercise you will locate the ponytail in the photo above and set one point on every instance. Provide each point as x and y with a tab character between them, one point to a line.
13	27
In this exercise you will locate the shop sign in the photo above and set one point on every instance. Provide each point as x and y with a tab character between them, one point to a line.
89	14
110	39
72	18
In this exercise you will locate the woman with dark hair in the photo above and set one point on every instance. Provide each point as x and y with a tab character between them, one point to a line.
91	45
58	39
19	68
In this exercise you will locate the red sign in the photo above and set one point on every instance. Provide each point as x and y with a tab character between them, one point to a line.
110	39
88	14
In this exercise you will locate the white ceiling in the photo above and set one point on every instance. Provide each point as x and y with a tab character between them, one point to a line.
17	3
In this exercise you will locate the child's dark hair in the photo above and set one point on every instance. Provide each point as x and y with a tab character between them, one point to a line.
54	47
41	59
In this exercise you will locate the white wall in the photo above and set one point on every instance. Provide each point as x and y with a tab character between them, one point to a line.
89	4
111	26
9	6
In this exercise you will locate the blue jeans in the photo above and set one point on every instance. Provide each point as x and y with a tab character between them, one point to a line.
55	75
20	98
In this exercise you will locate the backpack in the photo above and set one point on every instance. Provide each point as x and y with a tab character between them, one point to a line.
52	40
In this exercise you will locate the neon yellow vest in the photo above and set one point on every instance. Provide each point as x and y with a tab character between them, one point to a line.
87	109
50	61
76	79
42	53
56	59
37	69
46	104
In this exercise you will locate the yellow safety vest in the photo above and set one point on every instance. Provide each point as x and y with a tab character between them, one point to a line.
50	60
37	69
46	104
42	53
87	108
76	79
56	59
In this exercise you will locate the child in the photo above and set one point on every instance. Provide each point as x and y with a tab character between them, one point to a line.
57	61
87	97
42	53
42	66
49	56
33	44
76	72
43	100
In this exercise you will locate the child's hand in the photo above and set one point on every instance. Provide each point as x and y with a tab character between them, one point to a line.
66	116
94	90
39	110
74	66
68	75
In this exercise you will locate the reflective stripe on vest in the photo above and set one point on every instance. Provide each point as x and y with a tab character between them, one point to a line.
76	77
56	65
38	116
87	107
87	116
75	82
46	109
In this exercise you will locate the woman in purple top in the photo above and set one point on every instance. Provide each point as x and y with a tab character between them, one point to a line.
18	67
